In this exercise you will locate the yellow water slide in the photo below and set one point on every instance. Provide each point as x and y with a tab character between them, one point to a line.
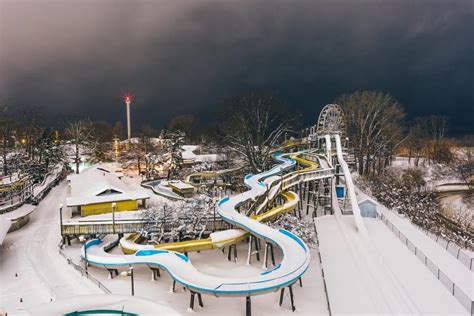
227	237
209	175
217	239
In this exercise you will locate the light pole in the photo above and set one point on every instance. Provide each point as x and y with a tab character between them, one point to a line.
61	220
83	240
114	205
130	274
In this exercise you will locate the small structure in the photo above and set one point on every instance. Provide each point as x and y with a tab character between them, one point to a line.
14	220
340	192
95	190
181	188
368	208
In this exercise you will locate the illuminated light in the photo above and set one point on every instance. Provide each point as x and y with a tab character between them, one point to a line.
128	98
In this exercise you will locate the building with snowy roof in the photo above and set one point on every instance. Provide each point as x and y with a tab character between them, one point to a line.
97	189
184	189
368	208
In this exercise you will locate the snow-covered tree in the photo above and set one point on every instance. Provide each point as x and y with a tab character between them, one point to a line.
81	133
253	125
395	189
464	166
6	133
180	220
374	122
300	227
174	142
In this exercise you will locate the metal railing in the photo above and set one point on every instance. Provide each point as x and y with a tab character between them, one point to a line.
455	290
83	272
293	179
454	250
133	226
322	270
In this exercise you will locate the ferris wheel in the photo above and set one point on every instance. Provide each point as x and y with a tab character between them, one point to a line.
331	120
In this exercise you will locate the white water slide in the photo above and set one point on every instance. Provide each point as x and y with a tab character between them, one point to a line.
296	255
368	270
350	187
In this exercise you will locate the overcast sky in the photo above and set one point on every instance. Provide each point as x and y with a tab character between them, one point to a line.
75	59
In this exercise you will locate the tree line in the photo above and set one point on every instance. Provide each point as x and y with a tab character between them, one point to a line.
252	126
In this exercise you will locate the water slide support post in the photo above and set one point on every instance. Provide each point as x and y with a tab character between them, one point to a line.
248	306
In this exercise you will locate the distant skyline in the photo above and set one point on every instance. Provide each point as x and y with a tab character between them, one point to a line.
75	59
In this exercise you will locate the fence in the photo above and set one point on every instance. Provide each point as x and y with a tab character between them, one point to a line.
454	250
83	271
457	292
322	270
133	226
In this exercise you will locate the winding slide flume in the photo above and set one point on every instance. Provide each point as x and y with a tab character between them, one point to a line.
295	261
217	239
229	237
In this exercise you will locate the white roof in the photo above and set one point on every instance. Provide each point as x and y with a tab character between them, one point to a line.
180	185
99	184
188	154
22	211
368	200
5	224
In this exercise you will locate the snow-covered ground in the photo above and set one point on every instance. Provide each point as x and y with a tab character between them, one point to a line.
378	275
450	267
309	300
125	303
31	268
33	271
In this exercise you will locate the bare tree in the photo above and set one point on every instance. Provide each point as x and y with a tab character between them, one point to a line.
439	149
31	129
464	166
375	127
6	129
252	126
417	139
82	134
117	130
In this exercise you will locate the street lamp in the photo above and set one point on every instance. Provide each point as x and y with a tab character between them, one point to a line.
130	274
114	205
61	220
83	240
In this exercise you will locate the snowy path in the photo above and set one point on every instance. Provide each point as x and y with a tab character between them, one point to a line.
377	275
32	253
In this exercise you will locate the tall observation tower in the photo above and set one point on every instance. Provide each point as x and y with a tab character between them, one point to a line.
128	100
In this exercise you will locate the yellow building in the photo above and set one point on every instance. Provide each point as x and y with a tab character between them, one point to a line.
98	189
181	188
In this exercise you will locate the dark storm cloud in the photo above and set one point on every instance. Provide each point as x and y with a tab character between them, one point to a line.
76	58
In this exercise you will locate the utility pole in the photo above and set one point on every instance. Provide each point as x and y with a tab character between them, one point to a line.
128	101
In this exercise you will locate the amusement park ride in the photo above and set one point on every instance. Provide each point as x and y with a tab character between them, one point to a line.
296	174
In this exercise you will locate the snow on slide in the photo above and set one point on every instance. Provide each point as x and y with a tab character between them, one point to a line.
350	188
188	154
296	255
374	273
